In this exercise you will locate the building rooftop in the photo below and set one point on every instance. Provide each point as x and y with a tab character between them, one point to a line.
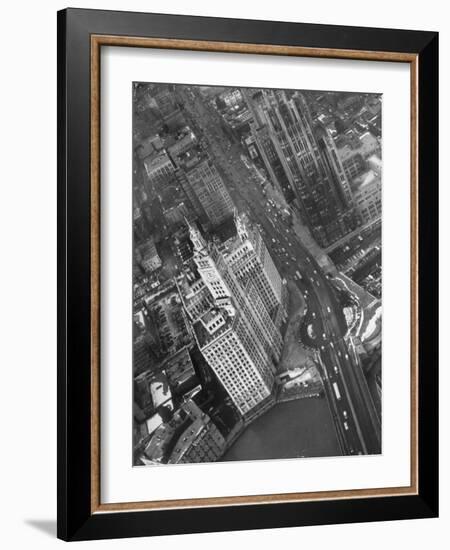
148	249
375	163
160	391
156	160
184	142
166	436
226	230
191	159
153	423
365	180
204	337
148	146
187	439
365	145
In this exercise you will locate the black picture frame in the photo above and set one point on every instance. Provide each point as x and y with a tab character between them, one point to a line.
76	521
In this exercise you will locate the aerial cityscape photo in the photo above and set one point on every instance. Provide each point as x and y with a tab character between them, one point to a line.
256	273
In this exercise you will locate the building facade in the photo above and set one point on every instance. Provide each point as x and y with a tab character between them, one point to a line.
205	188
189	436
309	160
233	329
354	150
200	441
148	256
159	168
250	261
368	196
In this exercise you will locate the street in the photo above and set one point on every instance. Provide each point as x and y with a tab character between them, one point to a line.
357	423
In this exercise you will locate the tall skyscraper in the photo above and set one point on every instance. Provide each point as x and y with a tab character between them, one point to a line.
334	168
233	329
266	148
205	189
250	261
309	160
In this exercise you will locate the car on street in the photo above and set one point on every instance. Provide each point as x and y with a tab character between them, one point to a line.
336	391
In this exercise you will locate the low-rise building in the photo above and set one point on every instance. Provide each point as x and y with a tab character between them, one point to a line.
186	140
166	313
148	256
190	436
177	213
353	151
374	163
159	168
367	196
165	100
201	441
180	372
152	391
231	97
142	356
149	146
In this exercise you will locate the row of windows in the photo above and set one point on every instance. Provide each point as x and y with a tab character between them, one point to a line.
239	378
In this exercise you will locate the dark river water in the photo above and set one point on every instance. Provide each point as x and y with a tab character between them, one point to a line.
303	427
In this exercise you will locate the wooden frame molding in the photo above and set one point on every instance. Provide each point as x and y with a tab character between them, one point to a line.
96	42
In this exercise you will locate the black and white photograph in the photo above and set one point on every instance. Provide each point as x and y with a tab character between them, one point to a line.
256	273
223	295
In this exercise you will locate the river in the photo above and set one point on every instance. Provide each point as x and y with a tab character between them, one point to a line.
300	428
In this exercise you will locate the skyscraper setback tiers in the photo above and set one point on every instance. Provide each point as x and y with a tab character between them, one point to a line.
232	325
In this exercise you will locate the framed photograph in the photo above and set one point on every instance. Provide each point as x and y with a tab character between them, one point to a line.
247	255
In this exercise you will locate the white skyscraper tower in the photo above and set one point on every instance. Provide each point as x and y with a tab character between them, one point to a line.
250	261
233	329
